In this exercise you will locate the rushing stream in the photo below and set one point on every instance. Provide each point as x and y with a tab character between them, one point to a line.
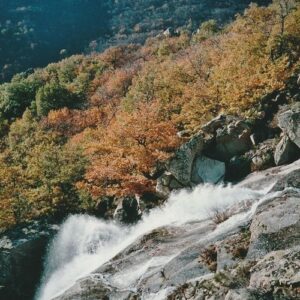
84	243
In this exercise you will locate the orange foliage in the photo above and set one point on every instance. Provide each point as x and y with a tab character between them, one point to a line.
111	86
68	122
130	102
120	56
123	158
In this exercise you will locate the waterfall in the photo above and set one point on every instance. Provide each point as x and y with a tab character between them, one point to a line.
84	243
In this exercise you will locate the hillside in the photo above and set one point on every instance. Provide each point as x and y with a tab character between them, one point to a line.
34	33
134	21
54	159
167	169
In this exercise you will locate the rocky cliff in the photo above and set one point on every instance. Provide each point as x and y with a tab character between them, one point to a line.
247	248
22	251
252	252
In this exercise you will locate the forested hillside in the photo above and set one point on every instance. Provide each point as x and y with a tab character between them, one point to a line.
34	33
98	127
134	21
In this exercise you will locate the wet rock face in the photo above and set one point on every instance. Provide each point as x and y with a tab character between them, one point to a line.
88	290
232	250
158	249
290	180
128	210
259	259
21	260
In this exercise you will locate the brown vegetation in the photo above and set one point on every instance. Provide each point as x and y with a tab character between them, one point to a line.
99	125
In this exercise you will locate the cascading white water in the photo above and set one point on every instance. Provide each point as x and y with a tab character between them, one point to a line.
84	243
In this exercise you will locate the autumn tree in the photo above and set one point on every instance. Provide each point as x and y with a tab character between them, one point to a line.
284	40
124	162
38	172
67	122
284	8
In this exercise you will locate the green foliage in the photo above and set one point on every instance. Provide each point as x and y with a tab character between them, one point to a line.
15	97
206	30
53	96
285	45
65	84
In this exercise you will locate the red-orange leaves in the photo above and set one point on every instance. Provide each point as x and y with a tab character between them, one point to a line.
69	122
124	157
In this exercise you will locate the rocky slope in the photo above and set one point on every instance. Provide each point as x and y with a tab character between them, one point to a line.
227	148
253	254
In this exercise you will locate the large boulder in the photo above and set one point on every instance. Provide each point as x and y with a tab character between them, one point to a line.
240	294
206	170
263	156
180	166
190	167
22	251
166	183
216	123
289	122
286	152
231	137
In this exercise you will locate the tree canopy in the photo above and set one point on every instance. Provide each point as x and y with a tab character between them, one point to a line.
101	125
